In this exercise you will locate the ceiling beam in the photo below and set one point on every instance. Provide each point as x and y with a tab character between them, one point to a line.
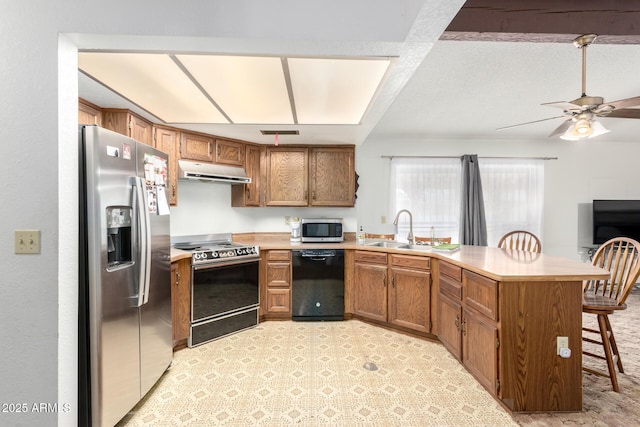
615	21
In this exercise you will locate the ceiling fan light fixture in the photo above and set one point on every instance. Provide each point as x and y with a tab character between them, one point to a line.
583	127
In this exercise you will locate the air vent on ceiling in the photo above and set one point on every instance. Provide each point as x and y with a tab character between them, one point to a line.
280	132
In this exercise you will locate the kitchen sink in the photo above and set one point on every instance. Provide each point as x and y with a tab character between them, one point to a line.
417	247
389	244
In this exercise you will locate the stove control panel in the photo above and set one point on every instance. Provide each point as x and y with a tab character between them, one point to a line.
208	255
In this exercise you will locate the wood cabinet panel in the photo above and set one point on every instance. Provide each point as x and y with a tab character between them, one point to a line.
196	147
287	176
450	287
166	140
410	297
449	323
371	257
89	114
416	262
279	301
450	270
251	194
480	349
332	176
370	281
181	301
481	294
127	123
229	152
278	283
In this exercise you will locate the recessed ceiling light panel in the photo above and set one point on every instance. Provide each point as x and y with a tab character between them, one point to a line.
334	91
153	82
248	89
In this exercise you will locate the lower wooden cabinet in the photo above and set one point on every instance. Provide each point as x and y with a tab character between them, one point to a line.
277	284
181	301
396	290
467	319
370	282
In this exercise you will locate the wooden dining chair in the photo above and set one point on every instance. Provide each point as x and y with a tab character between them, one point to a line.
520	240
436	239
379	236
604	297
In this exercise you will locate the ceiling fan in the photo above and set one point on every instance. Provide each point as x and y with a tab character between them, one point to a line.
581	113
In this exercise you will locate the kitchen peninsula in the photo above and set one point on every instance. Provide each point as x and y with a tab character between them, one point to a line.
499	312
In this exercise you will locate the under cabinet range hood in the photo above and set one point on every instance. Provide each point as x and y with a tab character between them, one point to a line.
211	172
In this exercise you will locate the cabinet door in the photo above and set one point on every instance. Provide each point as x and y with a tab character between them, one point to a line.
410	299
278	278
88	114
229	153
370	281
196	147
480	349
449	325
250	194
166	140
332	176
287	176
181	301
140	130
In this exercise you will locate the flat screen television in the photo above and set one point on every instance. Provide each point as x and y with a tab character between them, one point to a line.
615	218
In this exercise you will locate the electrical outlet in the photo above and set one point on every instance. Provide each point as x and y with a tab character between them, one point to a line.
287	220
383	219
562	342
27	241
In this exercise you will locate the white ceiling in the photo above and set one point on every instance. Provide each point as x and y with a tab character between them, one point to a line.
460	89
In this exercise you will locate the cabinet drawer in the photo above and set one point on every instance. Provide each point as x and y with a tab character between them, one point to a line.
417	262
372	257
450	270
278	255
452	288
481	294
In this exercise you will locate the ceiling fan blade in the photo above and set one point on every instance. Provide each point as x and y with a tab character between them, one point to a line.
562	128
528	123
567	106
625	113
624	103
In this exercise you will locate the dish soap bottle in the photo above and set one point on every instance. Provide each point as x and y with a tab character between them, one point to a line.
361	235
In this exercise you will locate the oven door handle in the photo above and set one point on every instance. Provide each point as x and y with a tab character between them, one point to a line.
224	263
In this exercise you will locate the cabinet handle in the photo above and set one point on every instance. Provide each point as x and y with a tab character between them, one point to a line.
384	280
313	195
393	281
248	193
464	330
218	153
457	322
177	278
173	190
210	152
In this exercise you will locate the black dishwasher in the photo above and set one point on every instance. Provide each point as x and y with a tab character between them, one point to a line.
318	284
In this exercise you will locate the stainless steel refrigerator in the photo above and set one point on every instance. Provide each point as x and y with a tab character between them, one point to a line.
125	342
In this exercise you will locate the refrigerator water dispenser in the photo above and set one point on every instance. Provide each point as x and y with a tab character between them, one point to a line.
118	235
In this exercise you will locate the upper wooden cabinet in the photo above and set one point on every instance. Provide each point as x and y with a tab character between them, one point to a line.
128	123
194	146
88	114
331	176
310	176
165	139
287	176
251	194
230	152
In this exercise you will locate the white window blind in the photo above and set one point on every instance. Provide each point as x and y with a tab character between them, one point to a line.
513	191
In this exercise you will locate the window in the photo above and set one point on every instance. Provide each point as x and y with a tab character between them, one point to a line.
430	188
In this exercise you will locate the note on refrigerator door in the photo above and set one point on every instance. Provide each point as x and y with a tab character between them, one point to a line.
163	204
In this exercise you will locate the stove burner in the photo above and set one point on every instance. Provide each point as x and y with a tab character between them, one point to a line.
187	246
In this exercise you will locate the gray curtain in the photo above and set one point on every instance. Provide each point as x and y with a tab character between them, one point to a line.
473	223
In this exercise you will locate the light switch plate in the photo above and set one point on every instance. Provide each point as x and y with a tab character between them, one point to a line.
562	342
27	241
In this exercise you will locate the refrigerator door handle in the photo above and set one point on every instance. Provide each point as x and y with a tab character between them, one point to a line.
145	240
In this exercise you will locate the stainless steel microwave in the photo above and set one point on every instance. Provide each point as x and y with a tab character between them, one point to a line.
321	230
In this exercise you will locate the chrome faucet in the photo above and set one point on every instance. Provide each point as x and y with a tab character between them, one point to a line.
410	235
